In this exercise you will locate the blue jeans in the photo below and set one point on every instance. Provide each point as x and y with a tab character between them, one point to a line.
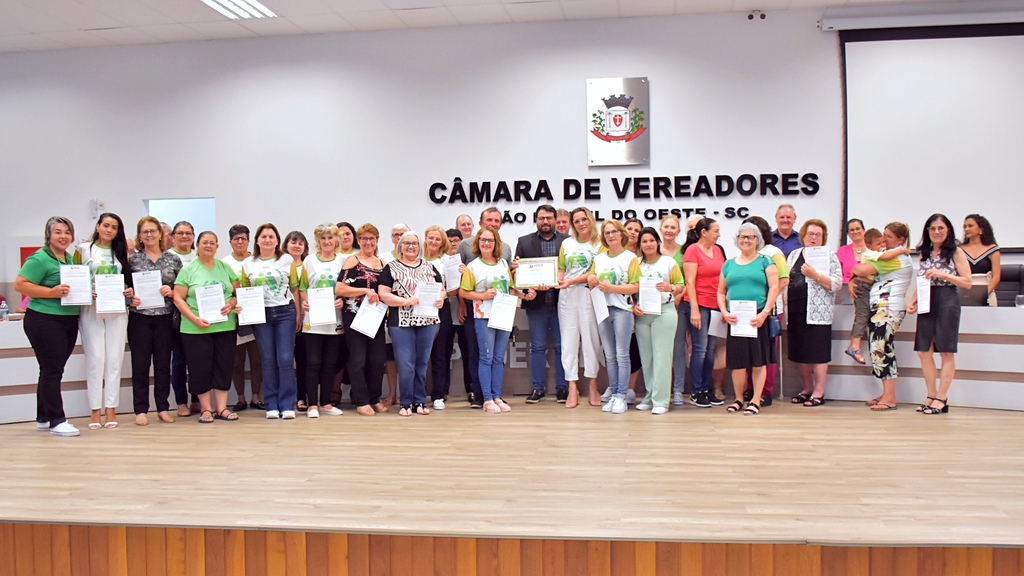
542	321
412	346
702	361
679	349
276	341
492	344
616	332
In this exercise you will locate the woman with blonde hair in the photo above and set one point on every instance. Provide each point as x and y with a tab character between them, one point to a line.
576	319
671	248
320	271
436	245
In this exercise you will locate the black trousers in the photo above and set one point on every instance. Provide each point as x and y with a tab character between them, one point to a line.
321	366
210	360
53	340
366	357
150	339
441	355
471	353
300	365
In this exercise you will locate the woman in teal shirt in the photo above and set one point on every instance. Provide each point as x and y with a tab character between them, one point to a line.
51	327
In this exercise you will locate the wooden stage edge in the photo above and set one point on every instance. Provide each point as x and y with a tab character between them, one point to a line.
81	550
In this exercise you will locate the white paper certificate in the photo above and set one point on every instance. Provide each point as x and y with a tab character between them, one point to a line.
210	300
503	312
600	304
321	307
745	311
817	258
147	289
924	295
110	293
76	276
369	317
428	293
717	327
533	272
649	297
254	311
452	276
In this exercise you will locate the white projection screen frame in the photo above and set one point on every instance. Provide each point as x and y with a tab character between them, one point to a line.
936	125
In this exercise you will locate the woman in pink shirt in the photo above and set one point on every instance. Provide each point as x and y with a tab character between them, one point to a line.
702	268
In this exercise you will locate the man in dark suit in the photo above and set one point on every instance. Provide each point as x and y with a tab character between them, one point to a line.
541	305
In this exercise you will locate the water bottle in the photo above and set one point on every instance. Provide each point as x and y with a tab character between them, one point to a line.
3	311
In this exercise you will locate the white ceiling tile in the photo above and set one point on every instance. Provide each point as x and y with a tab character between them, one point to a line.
345	6
222	30
322	23
76	14
534	11
297	7
469	2
374	20
173	33
427	17
702	6
29	19
646	8
586	9
128	12
126	36
185	11
271	26
33	42
78	38
480	14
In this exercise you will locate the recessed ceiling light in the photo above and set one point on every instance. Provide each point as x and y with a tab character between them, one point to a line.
236	9
412	4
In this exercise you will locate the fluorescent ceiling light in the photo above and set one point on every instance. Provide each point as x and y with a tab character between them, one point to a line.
236	9
914	15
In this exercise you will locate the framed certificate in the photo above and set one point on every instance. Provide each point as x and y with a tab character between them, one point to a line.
533	272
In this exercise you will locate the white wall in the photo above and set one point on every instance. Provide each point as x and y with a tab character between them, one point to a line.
297	130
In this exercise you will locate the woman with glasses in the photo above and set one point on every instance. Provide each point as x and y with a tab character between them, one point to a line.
346	248
272	269
749	277
575	312
183	237
321	271
413	335
359	277
150	331
209	346
245	341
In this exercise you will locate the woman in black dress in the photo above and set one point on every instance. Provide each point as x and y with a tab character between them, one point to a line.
982	252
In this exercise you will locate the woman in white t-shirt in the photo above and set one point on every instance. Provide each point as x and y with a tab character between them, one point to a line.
482	279
616	272
321	271
576	320
271	268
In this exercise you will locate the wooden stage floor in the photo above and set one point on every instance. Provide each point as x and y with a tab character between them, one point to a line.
835	475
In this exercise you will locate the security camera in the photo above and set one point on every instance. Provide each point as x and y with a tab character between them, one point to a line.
756	14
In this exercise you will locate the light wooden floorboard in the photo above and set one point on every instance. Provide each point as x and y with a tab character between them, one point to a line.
838	474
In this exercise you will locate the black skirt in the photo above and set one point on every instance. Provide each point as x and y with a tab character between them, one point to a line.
942	324
806	343
742	353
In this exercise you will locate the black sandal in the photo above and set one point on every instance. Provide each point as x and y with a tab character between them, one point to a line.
735	407
936	410
924	406
752	409
204	419
231	417
801	398
814	402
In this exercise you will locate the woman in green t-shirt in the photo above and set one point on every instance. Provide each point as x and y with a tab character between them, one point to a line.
51	328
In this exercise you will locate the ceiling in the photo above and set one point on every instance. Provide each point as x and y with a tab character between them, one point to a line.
59	24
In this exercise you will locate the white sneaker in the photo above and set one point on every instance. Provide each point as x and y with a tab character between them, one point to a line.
273	414
607	406
288	415
659	410
313	412
642	406
630	396
43	426
64	429
439	404
333	411
618	405
607	395
677	399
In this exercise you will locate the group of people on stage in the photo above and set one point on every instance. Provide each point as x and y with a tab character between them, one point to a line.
693	291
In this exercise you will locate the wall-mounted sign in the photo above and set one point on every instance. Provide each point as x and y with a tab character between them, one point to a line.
617	121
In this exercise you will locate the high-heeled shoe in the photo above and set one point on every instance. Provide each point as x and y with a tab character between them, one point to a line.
936	410
924	406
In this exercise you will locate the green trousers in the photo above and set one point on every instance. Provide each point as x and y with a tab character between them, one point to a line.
655	336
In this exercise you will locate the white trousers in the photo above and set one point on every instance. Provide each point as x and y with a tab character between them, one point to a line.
103	338
578	325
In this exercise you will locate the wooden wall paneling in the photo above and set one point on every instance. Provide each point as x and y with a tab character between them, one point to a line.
8	561
60	550
24	555
195	552
295	553
401	555
883	562
645	557
762	560
487	561
1007	562
337	555
423	556
359	554
671	557
98	564
275	552
979	561
41	547
738	559
577	559
799	559
255	553
234	552
690	561
78	538
954	562
444	556
213	548
843	561
509	557
380	555
599	553
716	559
531	556
135	542
554	558
908	560
318	559
170	549
117	551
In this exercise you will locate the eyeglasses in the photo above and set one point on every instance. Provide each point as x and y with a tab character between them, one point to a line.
487	241
240	239
208	243
184	234
410	244
397	235
810	233
368	239
149	232
748	237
